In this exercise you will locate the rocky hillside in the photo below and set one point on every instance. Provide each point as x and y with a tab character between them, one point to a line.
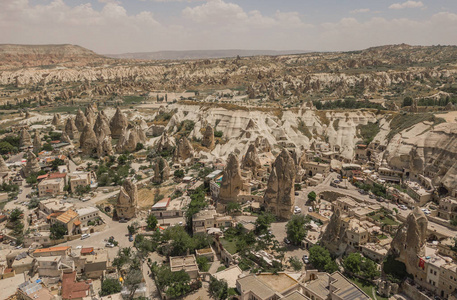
19	56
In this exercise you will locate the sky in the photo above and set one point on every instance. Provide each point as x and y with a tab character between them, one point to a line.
121	26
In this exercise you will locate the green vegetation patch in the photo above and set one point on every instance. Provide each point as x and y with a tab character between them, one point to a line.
229	245
368	132
404	121
133	99
72	109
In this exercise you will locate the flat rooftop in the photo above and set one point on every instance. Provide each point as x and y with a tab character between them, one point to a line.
280	282
186	263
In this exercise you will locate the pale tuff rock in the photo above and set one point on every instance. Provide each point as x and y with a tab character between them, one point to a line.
129	139
71	129
262	144
143	125
161	170
409	242
232	183
118	123
208	138
335	233
279	196
165	143
184	150
3	167
32	165
88	141
25	140
37	142
450	106
101	126
251	160
104	147
80	120
56	119
90	112
424	149
127	200
65	138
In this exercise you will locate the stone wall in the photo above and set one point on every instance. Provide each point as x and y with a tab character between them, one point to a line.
412	292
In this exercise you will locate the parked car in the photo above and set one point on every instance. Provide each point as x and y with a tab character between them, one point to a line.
403	207
287	241
85	236
296	194
130	238
122	220
109	245
305	259
310	209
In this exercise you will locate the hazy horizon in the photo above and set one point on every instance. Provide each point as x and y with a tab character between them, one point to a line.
120	26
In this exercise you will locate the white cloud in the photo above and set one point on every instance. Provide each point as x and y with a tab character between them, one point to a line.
407	4
360	11
215	24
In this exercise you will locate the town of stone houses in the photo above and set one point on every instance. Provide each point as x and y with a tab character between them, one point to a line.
314	176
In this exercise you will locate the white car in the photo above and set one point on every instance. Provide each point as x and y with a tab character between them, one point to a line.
403	207
297	210
109	245
85	236
79	247
310	209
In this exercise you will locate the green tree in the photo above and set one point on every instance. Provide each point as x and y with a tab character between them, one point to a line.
6	148
263	222
110	286
233	206
176	284
369	269
312	198
32	179
152	222
82	189
56	163
218	289
139	146
123	257
320	258
15	214
131	229
47	147
122	159
295	263
197	203
132	280
453	221
58	231
203	264
352	263
407	101
179	173
296	229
